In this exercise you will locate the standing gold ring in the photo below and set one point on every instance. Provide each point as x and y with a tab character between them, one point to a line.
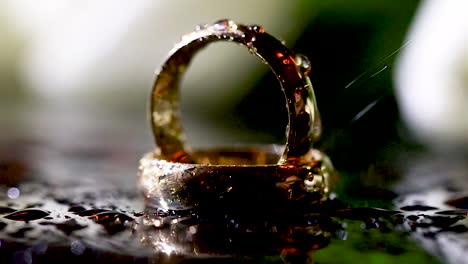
174	177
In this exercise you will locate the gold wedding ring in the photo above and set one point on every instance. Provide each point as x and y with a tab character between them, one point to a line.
173	177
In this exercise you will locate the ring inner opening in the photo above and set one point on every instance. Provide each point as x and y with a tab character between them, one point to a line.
242	155
226	99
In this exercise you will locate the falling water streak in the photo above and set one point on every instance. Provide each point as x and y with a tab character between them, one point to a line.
381	70
355	80
365	110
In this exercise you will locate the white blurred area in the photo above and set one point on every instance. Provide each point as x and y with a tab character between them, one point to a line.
86	53
89	65
432	75
432	90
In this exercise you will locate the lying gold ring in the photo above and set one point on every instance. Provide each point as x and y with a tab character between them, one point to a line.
172	177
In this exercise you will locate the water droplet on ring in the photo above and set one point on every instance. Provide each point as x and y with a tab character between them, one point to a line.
224	24
257	29
303	62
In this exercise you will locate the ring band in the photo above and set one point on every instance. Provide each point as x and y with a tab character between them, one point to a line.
291	70
174	178
181	186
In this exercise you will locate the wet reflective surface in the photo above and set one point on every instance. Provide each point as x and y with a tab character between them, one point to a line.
70	196
107	227
97	221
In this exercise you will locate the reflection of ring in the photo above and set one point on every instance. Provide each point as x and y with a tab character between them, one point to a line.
290	235
174	178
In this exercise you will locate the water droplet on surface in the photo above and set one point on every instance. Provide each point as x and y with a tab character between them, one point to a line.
112	221
453	212
418	208
27	215
413	217
76	208
6	210
13	193
461	202
138	214
77	247
456	229
110	216
443	221
91	212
